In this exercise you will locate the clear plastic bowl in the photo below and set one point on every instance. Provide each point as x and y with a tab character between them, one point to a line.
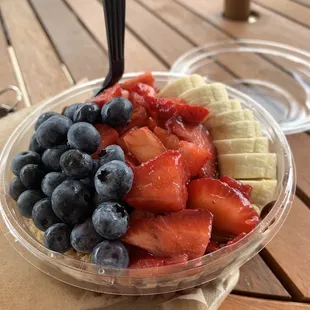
152	280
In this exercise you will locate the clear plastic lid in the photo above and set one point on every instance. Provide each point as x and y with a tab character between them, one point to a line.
275	75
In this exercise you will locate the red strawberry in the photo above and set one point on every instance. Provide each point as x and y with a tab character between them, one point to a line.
107	95
213	246
108	136
236	239
121	142
145	78
143	89
169	140
159	185
143	144
151	124
137	100
244	189
185	232
232	212
165	108
131	161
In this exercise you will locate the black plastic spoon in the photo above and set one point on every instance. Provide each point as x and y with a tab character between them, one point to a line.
114	11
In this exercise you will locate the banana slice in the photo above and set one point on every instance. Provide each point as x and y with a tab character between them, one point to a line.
224	106
229	117
256	208
182	85
205	94
263	191
244	145
242	129
248	165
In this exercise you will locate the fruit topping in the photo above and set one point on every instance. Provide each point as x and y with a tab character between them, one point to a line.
111	152
87	112
169	140
35	146
16	188
107	95
44	117
27	200
24	158
51	181
57	238
51	157
244	189
69	111
31	175
145	78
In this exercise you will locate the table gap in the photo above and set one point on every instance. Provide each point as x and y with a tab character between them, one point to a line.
260	295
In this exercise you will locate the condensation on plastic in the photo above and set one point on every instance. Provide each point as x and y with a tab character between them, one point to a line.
151	280
277	76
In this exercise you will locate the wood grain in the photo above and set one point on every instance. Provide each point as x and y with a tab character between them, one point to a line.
246	303
77	49
137	56
303	2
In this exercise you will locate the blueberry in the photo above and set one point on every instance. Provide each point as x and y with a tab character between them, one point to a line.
97	199
44	117
51	157
85	137
35	146
69	111
70	201
43	215
110	220
111	152
57	237
24	158
117	112
96	166
53	131
89	183
51	181
113	180
32	175
16	188
76	164
88	112
84	237
110	254
27	200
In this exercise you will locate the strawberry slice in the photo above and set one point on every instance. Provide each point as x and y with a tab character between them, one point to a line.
108	136
137	100
151	124
165	108
213	246
143	144
145	78
244	189
169	140
185	232
107	95
232	212
159	185
236	239
143	89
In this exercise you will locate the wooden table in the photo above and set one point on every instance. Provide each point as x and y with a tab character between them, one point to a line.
48	45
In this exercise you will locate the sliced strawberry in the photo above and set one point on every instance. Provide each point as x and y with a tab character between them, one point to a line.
137	100
151	124
170	141
244	189
143	144
108	136
159	185
194	156
137	214
185	232
213	246
143	89
236	239
168	107
107	95
145	78
131	161
232	212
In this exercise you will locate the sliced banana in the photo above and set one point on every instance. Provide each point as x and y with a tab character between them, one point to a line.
263	191
205	94
176	88
243	145
249	165
224	106
229	117
242	129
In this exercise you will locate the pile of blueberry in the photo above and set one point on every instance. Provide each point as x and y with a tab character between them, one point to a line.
73	198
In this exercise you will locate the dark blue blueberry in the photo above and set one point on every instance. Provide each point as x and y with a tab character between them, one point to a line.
88	112
43	215
51	157
117	112
69	111
110	220
16	188
57	237
113	180
51	181
27	200
97	199
32	175
44	117
111	152
96	166
110	254
24	158
76	164
84	237
89	183
54	131
70	201
35	146
85	137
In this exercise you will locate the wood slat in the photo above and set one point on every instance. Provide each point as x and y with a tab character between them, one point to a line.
303	2
246	303
77	49
137	56
37	59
